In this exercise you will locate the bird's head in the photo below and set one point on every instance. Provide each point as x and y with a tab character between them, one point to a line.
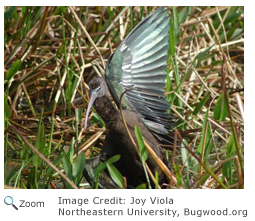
97	88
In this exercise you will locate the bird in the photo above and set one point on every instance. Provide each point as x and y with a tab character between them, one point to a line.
138	68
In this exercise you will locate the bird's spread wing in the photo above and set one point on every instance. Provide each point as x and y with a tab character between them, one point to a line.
139	63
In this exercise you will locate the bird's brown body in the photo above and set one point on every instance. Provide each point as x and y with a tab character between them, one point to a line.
117	140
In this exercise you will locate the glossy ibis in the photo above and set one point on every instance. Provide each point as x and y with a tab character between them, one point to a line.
139	63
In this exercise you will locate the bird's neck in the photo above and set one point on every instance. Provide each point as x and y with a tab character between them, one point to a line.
106	110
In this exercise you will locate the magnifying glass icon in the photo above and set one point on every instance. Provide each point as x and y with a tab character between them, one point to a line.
8	200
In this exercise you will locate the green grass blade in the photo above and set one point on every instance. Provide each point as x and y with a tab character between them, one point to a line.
78	167
102	166
115	175
67	167
40	141
221	108
142	149
13	70
207	136
8	13
200	105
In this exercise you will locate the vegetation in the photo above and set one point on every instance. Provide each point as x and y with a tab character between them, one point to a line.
51	53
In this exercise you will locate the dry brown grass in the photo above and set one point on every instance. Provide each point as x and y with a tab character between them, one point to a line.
58	50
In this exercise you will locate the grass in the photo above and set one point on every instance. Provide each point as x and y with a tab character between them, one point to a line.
51	53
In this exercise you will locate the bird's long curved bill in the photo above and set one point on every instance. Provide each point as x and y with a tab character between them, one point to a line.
93	97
